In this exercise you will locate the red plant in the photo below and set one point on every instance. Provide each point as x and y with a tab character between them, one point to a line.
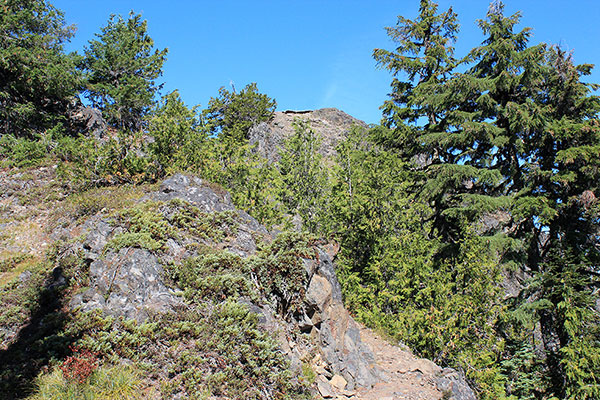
80	365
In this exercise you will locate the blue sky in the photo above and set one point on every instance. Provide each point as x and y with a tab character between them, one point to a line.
310	54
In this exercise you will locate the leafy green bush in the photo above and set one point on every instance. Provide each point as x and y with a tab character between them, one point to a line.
210	349
22	152
214	275
303	185
149	224
145	227
232	114
279	270
19	299
120	159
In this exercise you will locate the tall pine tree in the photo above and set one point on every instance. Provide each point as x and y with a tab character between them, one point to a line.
36	77
511	147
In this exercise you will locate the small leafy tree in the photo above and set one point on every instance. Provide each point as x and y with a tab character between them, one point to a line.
174	128
36	76
122	67
231	115
304	180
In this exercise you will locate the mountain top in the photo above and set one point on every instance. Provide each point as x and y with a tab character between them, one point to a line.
331	124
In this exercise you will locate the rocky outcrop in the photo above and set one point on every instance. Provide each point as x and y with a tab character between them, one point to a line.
346	359
130	282
127	283
86	120
343	361
331	124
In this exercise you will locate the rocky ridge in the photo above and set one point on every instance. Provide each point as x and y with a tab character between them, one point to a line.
130	282
348	360
331	124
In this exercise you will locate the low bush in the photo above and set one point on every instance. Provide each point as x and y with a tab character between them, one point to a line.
211	349
105	383
22	152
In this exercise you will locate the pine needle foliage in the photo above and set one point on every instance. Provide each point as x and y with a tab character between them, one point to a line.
122	66
506	139
37	77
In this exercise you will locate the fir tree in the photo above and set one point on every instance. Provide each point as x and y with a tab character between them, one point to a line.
36	77
122	67
516	134
424	56
304	183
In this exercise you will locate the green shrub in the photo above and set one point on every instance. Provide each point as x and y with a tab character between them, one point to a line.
22	152
214	226
19	299
214	275
279	270
149	224
145	227
208	349
106	383
120	159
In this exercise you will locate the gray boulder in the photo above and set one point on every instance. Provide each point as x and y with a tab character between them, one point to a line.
451	382
127	283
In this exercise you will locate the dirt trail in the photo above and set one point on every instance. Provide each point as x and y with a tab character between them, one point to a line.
406	376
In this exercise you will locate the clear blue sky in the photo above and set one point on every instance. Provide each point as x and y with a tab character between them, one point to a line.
310	54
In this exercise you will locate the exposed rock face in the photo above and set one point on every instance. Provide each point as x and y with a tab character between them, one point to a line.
130	282
88	120
127	283
330	123
336	333
451	382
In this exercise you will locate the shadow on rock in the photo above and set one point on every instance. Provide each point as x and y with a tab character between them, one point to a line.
38	342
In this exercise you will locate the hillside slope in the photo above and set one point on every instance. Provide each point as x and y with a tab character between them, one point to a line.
156	254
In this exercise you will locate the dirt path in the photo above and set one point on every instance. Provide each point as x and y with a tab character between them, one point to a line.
406	376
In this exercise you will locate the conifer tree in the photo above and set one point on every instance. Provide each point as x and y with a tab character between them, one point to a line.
517	134
122	67
424	56
303	178
36	76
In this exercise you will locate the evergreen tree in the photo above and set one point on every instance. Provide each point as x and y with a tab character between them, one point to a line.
515	135
177	134
232	114
36	77
424	56
122	67
303	177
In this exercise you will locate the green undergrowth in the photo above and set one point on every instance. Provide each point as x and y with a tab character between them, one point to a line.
150	224
275	273
215	275
210	348
22	152
107	199
18	298
12	261
106	383
279	269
